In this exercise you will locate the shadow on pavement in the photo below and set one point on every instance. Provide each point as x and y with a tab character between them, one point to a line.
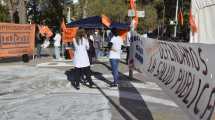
70	76
137	107
123	62
99	76
11	59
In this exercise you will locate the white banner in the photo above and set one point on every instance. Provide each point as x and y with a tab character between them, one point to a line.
203	12
184	71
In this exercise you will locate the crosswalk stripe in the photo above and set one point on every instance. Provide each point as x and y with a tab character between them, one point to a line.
129	95
110	75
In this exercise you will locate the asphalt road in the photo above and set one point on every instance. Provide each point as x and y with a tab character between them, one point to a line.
30	92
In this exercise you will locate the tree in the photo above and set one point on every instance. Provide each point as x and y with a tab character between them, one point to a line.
150	20
116	10
53	11
17	6
49	10
33	11
4	15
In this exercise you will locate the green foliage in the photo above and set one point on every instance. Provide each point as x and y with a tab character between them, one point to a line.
52	11
116	10
159	6
151	19
4	15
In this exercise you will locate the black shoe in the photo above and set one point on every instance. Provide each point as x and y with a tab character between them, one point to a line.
78	87
91	84
73	84
113	85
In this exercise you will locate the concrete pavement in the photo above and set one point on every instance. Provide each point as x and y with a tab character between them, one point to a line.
28	92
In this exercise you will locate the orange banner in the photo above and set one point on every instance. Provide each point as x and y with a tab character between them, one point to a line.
16	39
68	34
123	34
44	30
106	21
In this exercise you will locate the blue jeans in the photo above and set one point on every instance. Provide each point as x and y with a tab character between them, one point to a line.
98	53
57	52
114	66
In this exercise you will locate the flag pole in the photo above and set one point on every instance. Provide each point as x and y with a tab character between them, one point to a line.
132	29
176	19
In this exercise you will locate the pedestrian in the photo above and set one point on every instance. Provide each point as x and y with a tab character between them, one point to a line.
81	59
91	51
115	46
57	44
97	43
45	32
39	42
46	41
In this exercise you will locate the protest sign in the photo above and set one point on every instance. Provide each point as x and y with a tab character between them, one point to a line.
69	34
16	39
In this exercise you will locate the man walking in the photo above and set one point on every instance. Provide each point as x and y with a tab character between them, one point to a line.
97	44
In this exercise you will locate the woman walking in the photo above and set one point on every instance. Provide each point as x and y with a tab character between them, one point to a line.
81	59
115	46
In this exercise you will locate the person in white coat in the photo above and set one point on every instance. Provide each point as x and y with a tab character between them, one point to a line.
81	59
57	41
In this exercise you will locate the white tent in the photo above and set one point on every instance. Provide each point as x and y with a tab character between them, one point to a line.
204	15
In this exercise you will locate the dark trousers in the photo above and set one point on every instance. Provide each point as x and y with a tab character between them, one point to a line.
39	48
127	56
79	72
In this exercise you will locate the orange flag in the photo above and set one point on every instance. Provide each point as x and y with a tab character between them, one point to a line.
106	21
181	17
180	12
45	30
192	23
48	32
63	26
123	34
136	20
132	4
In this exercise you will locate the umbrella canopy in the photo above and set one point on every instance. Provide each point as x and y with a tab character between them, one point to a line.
90	22
120	26
96	23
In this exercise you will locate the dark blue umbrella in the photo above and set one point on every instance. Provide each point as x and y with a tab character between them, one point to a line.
120	26
96	23
90	22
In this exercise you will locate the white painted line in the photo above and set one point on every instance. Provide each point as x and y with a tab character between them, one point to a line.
54	64
110	75
129	95
147	98
62	60
147	85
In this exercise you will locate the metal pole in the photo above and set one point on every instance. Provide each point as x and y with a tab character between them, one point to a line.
176	19
68	18
164	10
130	52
